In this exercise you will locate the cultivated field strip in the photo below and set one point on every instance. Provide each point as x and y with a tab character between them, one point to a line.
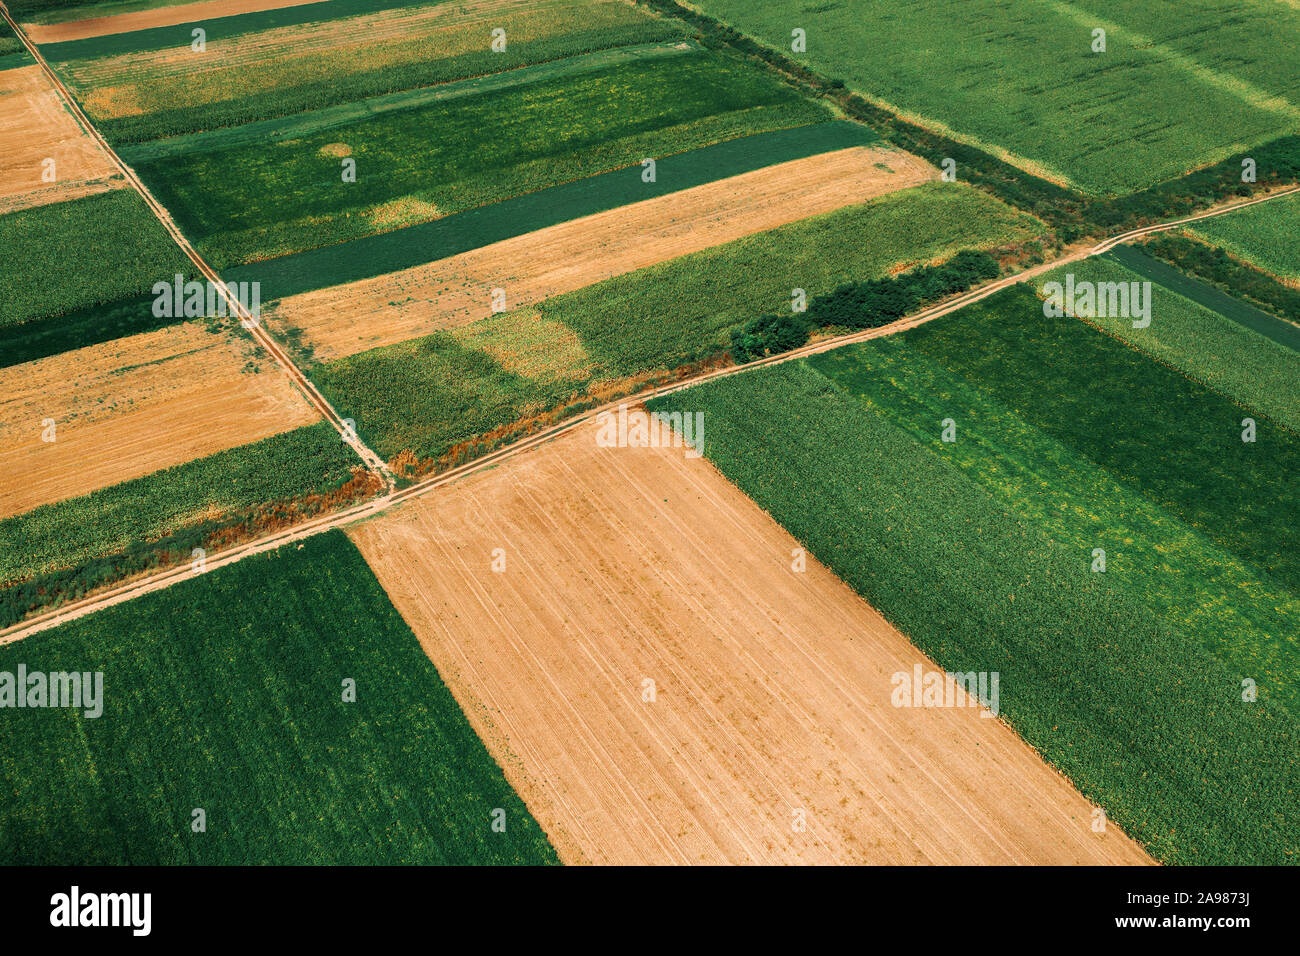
146	19
133	406
344	320
147	584
236	308
772	687
35	129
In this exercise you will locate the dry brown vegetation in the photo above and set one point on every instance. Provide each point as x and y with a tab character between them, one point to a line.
133	406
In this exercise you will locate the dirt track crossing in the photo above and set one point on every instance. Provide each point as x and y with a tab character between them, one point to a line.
162	579
153	582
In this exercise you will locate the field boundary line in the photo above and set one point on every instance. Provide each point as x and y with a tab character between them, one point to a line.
163	579
250	323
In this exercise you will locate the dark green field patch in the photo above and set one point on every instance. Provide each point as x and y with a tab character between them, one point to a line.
442	238
242	205
70	256
1161	273
1176	441
1140	719
226	693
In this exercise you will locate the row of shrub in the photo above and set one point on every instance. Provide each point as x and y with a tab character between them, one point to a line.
862	305
1218	268
1070	213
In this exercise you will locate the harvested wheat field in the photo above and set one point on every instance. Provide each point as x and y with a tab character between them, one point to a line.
130	407
772	688
146	19
343	320
35	127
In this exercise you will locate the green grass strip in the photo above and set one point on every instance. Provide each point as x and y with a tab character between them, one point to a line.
461	232
344	114
70	532
1266	235
1176	441
1139	718
1255	371
1280	331
225	692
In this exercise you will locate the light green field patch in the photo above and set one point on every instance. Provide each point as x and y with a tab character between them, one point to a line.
1021	78
1266	235
1236	361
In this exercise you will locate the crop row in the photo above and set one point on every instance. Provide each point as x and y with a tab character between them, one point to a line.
63	549
229	692
138	98
1260	374
429	395
85	252
248	203
1142	720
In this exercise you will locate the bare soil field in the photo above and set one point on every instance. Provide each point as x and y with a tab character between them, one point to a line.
772	688
35	127
344	320
130	407
145	19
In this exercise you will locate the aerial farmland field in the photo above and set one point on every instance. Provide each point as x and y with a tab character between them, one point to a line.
1030	81
643	432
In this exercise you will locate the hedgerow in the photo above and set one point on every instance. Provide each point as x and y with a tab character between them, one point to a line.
1215	266
445	389
862	305
248	667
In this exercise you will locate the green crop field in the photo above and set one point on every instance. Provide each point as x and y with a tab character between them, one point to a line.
235	706
9	43
1120	679
245	204
72	255
1266	236
430	394
1179	86
67	547
1258	373
137	97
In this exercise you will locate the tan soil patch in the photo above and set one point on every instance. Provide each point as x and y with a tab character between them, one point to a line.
336	150
130	407
145	19
450	292
35	126
773	688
